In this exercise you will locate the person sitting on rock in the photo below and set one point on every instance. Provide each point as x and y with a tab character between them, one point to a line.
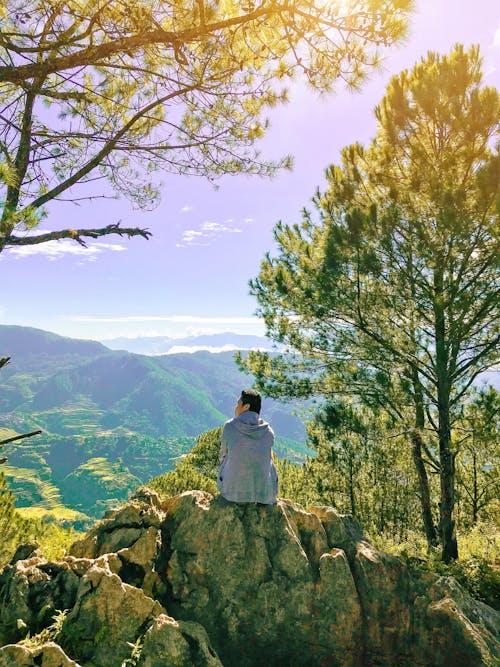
247	473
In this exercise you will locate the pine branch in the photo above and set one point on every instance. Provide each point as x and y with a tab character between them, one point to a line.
75	235
96	54
108	147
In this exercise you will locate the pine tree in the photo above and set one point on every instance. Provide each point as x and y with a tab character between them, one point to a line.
13	528
392	294
139	86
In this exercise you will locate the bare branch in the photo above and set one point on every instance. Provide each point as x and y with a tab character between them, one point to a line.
19	437
76	235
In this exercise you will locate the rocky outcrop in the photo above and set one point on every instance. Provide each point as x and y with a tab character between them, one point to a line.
195	580
46	655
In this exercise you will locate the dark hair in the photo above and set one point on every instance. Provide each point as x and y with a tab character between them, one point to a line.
252	398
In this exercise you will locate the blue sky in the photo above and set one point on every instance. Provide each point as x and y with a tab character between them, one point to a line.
191	276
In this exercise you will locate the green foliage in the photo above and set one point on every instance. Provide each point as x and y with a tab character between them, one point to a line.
295	482
151	85
196	470
183	478
477	569
390	296
13	528
361	468
7	513
135	655
49	634
54	539
478	459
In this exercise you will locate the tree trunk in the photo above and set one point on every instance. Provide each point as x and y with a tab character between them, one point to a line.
423	480
425	496
351	486
475	492
446	455
447	460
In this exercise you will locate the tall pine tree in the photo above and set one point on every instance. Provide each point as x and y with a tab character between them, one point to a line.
391	293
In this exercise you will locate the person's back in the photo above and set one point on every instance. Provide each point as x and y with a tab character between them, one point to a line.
247	472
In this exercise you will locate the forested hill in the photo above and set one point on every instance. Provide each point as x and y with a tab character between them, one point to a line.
111	419
69	386
42	351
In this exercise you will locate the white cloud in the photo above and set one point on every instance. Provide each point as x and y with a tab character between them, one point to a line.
186	208
178	349
248	220
192	237
182	319
53	250
191	234
219	228
206	234
496	38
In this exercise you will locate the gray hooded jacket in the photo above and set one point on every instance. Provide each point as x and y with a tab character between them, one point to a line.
247	473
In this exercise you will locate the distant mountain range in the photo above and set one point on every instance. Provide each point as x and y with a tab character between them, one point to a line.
113	419
67	385
219	342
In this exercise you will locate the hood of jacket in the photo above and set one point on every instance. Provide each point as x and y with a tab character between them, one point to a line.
250	424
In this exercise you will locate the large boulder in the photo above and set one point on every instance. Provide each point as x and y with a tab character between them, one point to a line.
184	642
106	617
196	580
261	580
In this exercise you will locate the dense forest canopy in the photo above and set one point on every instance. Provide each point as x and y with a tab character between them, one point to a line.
119	90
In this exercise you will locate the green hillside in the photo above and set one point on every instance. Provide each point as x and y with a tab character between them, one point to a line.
77	478
79	387
41	353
